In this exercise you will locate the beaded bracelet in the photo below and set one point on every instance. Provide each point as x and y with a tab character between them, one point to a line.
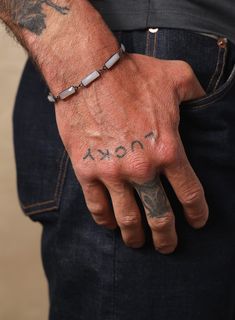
89	78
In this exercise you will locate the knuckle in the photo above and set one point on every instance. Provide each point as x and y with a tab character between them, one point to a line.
162	224
169	151
198	219
83	172
140	169
192	197
127	221
97	209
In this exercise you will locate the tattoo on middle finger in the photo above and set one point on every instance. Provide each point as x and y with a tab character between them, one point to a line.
153	197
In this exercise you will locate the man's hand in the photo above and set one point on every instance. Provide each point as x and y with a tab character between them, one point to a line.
122	133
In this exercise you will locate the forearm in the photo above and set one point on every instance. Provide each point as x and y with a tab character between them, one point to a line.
66	38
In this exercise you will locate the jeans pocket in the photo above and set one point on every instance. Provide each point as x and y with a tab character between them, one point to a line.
211	58
41	159
211	98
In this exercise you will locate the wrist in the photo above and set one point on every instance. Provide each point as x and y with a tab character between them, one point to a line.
70	47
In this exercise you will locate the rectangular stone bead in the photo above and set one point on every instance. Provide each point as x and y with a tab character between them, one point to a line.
66	93
51	98
90	78
111	62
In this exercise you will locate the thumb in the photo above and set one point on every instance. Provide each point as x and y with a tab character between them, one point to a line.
188	86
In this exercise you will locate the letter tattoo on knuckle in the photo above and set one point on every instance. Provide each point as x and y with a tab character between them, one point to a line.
153	197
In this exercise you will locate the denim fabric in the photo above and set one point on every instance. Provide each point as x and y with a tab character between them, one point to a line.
92	275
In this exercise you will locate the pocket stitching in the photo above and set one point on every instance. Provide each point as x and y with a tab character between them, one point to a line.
210	98
35	207
155	44
147	44
222	68
215	72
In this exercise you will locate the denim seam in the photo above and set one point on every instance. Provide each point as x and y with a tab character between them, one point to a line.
219	71
215	72
58	191
42	210
211	101
210	98
147	44
155	44
222	68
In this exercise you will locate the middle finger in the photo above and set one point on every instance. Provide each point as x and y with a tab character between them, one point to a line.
159	214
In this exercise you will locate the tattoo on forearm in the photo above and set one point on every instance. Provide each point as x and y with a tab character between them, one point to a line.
119	152
153	198
29	13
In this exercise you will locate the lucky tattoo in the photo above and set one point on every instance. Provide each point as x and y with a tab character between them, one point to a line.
29	14
119	152
153	198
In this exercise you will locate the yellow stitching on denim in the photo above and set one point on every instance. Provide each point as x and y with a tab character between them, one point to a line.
63	178
59	196
155	44
147	43
211	98
40	211
61	170
215	72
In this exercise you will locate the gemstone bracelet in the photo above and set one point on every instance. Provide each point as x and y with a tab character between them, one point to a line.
89	78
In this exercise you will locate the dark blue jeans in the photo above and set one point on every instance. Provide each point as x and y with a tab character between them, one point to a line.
92	275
